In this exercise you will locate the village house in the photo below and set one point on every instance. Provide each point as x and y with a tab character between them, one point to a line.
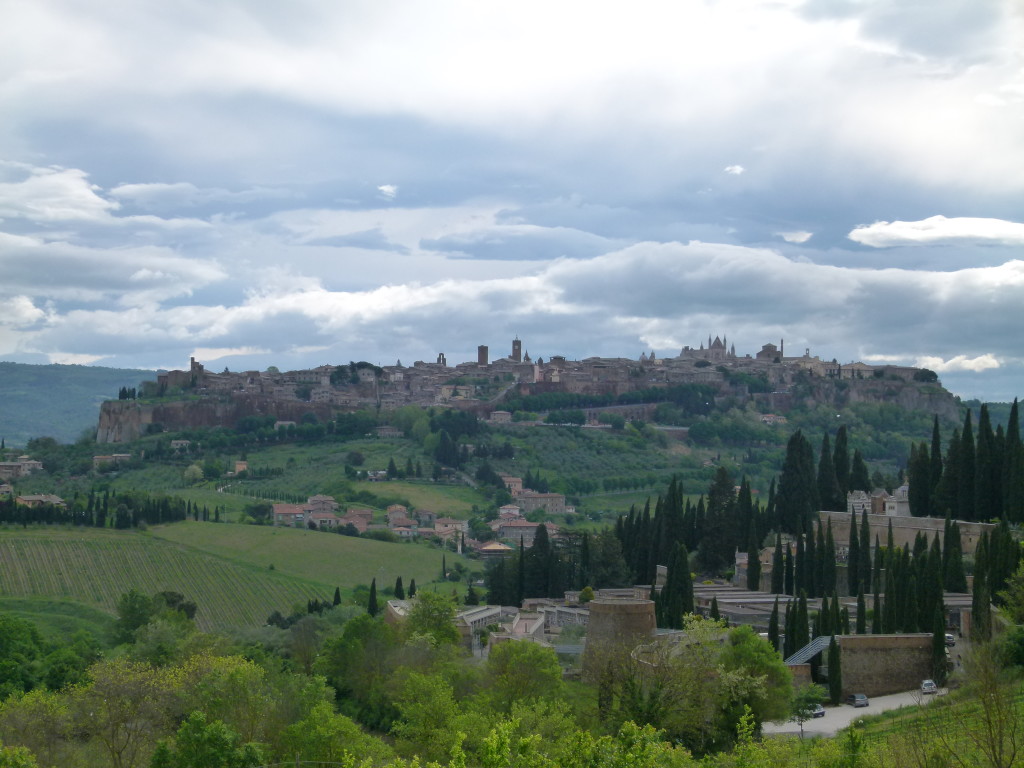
513	484
530	501
522	530
38	500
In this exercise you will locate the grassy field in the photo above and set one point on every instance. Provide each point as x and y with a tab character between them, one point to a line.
94	567
59	619
314	556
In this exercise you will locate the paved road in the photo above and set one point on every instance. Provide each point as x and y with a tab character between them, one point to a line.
837	718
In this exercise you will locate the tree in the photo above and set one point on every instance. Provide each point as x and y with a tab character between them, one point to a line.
805	701
830	495
433	616
399	589
835	672
210	745
123	705
134	610
797	497
859	478
773	625
521	671
748	653
371	605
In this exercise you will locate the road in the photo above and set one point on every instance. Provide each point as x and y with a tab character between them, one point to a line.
837	718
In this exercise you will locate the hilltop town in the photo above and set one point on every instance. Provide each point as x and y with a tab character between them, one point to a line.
771	378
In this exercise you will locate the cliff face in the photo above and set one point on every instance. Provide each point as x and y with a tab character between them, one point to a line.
125	420
911	396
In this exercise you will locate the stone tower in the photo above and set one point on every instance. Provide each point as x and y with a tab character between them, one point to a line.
517	350
482	355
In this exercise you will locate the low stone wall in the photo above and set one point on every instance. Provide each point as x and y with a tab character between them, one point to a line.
877	665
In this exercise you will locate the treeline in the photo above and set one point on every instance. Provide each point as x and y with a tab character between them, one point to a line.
550	567
979	477
120	510
693	399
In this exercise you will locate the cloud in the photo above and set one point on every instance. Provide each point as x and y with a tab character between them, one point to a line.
939	230
797	236
388	190
129	276
155	196
216	353
735	170
50	195
959	363
19	311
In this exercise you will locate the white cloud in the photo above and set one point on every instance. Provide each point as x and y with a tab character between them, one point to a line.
735	170
19	311
388	190
959	363
184	194
51	194
63	358
216	353
798	236
939	230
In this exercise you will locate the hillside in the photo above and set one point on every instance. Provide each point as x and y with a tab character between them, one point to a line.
59	401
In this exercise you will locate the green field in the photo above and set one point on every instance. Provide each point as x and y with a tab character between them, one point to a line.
314	556
69	578
60	619
94	567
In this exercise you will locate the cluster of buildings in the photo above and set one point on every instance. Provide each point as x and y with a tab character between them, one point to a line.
483	381
20	467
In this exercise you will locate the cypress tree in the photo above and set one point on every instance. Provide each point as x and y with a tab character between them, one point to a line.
789	571
412	588
1013	468
778	567
988	496
864	549
876	578
981	600
803	625
862	614
371	604
853	576
829	494
337	596
773	625
824	619
800	570
713	613
876	616
790	632
399	589
919	477
797	496
841	462
828	568
753	561
835	672
965	488
859	478
935	468
940	666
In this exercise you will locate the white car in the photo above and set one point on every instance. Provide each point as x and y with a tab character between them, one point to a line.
928	686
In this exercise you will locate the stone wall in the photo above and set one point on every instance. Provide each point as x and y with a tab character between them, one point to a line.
877	665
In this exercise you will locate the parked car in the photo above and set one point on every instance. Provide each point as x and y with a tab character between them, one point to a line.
929	686
818	711
857	700
950	640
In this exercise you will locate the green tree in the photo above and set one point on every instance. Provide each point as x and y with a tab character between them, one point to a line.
519	671
805	700
835	672
134	610
433	615
371	606
399	589
209	745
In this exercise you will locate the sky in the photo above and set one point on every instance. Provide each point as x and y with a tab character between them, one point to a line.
258	183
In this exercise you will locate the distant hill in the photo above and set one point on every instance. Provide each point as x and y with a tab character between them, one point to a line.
58	401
